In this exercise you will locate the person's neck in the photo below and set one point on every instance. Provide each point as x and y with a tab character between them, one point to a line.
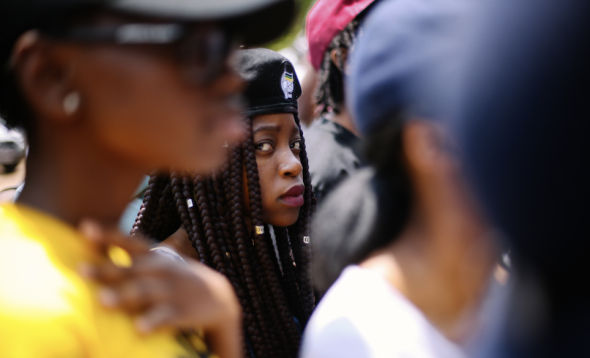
74	180
442	272
344	119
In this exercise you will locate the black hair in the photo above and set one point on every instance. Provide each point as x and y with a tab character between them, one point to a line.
368	211
271	290
13	106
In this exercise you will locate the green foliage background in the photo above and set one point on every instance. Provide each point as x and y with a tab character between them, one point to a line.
303	7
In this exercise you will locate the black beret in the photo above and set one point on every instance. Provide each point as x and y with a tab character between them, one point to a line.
271	82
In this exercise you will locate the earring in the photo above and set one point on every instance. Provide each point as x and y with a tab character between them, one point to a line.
71	103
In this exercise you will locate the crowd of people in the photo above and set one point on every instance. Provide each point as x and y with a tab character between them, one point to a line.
429	201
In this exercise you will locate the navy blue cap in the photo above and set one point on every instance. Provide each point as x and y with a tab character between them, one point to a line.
403	45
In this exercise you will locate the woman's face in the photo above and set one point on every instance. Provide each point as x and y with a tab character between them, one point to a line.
138	104
277	141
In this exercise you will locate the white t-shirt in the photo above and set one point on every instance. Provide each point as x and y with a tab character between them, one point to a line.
362	315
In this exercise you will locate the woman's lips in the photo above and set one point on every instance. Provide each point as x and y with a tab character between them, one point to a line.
293	200
294	196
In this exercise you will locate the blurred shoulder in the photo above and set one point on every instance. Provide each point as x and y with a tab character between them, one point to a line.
48	310
36	312
349	319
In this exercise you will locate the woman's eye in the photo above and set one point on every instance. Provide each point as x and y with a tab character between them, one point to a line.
296	145
264	146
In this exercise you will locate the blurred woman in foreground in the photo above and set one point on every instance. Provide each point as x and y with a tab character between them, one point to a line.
107	91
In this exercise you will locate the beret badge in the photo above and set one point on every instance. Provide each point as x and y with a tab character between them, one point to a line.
287	84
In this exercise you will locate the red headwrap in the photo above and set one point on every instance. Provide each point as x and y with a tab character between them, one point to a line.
325	20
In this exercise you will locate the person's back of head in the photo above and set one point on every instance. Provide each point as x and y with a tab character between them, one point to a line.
388	89
410	219
366	212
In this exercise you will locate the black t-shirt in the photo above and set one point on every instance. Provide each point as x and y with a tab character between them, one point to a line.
333	155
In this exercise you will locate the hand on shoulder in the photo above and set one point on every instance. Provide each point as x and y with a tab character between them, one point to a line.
165	293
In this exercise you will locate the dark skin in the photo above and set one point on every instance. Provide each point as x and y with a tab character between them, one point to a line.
277	141
137	112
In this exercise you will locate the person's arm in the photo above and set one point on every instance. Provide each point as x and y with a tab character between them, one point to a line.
223	331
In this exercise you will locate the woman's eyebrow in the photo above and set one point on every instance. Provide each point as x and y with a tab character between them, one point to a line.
295	131
267	128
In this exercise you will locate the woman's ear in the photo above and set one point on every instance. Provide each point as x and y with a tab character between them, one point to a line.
44	72
340	63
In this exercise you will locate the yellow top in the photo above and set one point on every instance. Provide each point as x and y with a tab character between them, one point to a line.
47	310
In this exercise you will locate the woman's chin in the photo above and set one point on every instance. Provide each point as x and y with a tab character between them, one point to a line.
284	220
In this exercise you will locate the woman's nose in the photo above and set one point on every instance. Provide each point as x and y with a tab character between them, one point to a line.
290	165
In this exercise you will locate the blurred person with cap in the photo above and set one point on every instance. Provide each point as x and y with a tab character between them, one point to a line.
106	91
402	243
520	113
332	27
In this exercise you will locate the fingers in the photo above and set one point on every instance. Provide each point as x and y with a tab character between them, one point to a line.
149	265
157	265
162	315
155	287
103	237
150	280
93	232
135	296
106	273
166	293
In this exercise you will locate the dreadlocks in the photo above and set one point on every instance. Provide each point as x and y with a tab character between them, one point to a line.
272	290
330	91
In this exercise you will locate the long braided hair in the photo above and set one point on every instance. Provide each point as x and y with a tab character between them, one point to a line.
272	290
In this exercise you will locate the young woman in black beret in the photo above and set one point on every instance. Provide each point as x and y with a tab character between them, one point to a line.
231	219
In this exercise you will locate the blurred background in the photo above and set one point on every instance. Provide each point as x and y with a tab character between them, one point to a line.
12	161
